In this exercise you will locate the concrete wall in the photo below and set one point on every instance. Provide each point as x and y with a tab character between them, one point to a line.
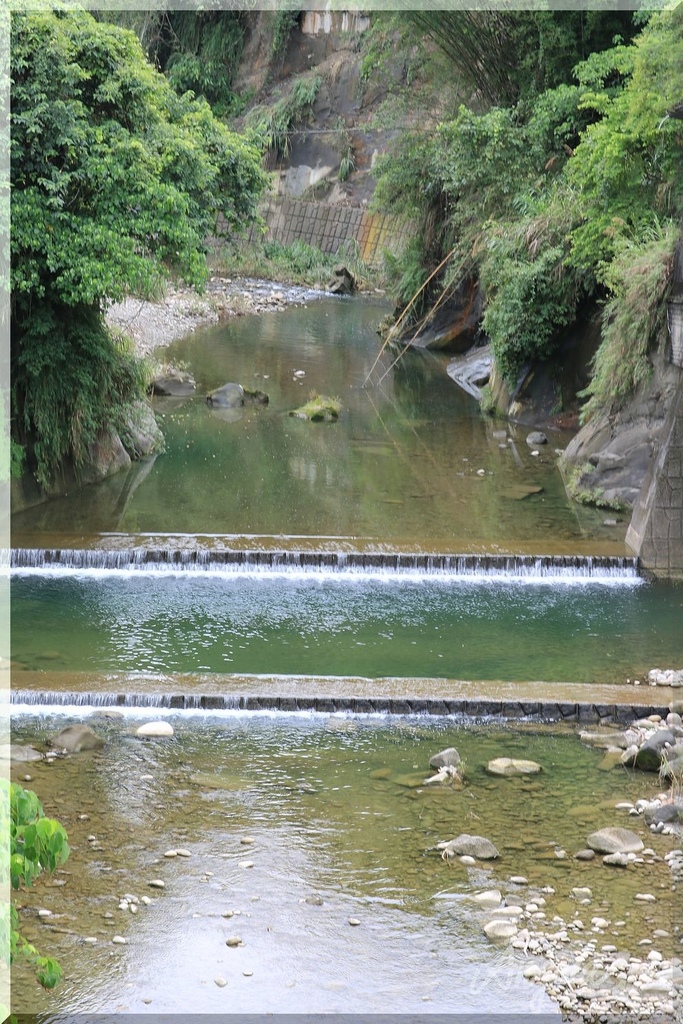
328	226
656	530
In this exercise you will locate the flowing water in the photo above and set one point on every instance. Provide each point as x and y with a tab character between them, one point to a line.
231	620
343	829
263	551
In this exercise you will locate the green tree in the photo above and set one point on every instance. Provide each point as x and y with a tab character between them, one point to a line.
36	844
116	181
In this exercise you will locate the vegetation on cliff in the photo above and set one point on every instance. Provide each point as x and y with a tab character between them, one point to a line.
557	185
116	181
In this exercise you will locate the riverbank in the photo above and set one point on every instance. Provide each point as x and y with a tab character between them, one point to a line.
153	325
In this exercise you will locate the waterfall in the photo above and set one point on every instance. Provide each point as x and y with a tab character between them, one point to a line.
158	560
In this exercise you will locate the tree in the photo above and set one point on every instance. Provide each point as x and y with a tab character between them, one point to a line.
36	844
116	181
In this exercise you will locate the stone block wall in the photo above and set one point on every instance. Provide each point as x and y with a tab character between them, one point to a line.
329	226
656	530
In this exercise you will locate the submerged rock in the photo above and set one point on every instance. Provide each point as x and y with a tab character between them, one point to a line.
319	409
614	840
19	752
512	766
75	738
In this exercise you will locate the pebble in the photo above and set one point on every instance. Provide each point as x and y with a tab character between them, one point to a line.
90	939
146	900
645	897
248	974
354	921
467	860
221	982
119	940
157	883
521	880
183	853
44	913
233	940
247	840
171	853
244	864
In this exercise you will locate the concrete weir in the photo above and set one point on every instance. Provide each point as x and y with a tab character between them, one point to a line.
537	701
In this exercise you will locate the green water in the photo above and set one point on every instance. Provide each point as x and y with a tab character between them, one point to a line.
333	626
401	465
337	810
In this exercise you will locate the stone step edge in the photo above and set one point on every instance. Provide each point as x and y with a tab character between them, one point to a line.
481	707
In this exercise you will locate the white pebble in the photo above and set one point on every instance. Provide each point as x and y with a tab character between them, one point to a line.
221	982
157	883
119	940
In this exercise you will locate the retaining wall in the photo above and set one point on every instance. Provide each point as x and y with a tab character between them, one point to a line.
329	226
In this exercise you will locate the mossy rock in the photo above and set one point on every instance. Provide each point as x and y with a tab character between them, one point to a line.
319	409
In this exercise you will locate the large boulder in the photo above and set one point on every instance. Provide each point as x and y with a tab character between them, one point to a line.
512	766
173	383
614	840
649	756
75	738
470	846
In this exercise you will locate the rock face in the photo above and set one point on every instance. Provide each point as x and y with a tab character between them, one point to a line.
472	371
512	766
472	846
614	840
75	738
140	433
448	758
609	457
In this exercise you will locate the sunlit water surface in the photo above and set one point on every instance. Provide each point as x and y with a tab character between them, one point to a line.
343	829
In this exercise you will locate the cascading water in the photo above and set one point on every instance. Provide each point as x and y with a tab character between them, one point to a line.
171	559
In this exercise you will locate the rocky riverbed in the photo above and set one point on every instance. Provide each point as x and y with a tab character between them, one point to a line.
153	325
587	919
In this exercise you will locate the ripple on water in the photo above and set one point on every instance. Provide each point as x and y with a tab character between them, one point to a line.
328	818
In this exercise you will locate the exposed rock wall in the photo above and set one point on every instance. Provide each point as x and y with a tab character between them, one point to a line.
656	530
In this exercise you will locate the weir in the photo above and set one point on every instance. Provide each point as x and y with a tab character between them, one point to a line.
469	565
472	708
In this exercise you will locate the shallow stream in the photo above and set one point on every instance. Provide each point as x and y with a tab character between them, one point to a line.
343	829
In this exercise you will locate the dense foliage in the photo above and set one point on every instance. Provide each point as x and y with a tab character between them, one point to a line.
115	180
559	189
36	844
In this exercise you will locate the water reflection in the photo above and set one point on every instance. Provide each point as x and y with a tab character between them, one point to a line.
411	460
340	830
